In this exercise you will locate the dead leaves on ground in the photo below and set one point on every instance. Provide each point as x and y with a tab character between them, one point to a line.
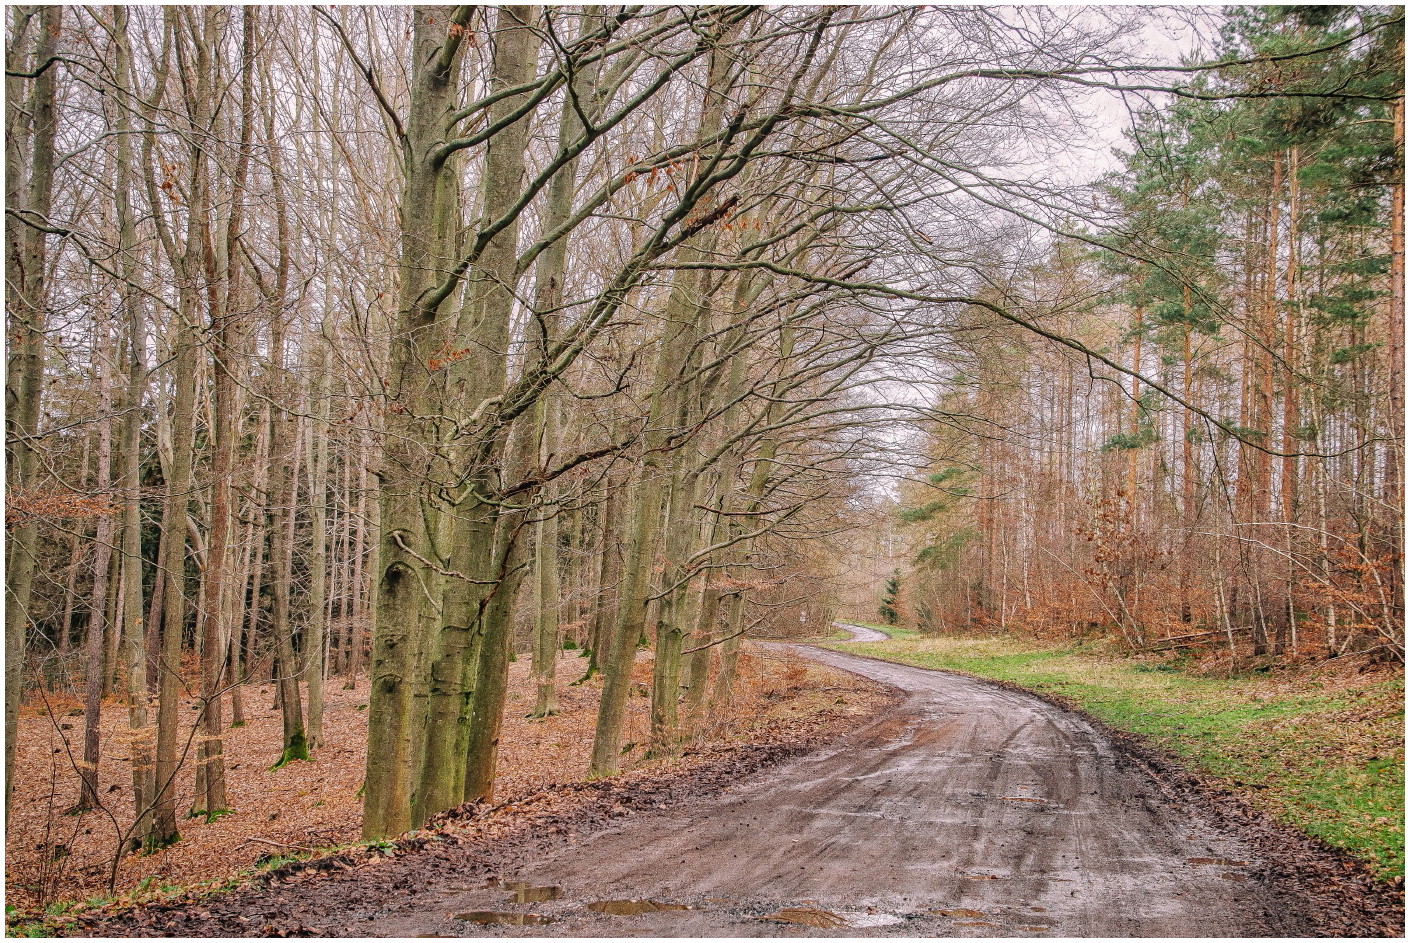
278	814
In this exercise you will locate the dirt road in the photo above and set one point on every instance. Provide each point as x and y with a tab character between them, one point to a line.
970	810
861	633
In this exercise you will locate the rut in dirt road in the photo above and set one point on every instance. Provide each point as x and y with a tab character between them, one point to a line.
969	810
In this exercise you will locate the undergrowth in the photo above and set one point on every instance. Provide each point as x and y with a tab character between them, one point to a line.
1324	753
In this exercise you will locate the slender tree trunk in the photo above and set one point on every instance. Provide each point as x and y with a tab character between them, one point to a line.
547	643
492	668
723	691
29	180
549	276
98	596
314	658
284	452
1395	357
1269	342
134	650
607	599
172	560
638	551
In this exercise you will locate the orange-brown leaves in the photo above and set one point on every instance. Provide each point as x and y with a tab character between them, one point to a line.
26	507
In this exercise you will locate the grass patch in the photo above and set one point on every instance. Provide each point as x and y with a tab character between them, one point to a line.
1323	753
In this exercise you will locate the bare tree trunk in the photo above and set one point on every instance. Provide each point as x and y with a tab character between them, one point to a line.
606	600
472	624
98	596
134	650
644	522
284	454
409	579
172	560
492	670
28	190
228	353
361	615
314	658
1395	356
547	643
549	276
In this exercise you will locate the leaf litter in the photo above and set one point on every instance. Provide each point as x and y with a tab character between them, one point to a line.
783	707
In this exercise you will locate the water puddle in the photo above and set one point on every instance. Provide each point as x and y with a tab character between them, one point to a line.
631	908
974	923
525	893
1231	876
957	912
1221	862
487	917
1035	928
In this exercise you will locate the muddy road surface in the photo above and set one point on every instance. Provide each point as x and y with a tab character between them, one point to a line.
969	810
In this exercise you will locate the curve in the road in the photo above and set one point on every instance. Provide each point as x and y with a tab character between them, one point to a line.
968	810
861	633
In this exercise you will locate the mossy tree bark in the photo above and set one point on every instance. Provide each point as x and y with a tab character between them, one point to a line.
476	377
408	606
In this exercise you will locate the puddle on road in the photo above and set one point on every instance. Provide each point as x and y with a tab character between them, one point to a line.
487	917
1221	862
957	912
631	908
524	893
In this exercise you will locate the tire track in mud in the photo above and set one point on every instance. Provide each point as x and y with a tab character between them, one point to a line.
968	810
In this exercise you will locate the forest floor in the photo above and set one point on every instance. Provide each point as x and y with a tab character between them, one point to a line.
58	864
967	809
1317	745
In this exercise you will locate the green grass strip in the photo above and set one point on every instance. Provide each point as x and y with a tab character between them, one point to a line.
1323	754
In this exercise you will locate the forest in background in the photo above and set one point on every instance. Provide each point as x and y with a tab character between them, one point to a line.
1230	474
390	341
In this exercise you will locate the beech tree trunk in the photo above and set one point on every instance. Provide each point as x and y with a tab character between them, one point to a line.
29	181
